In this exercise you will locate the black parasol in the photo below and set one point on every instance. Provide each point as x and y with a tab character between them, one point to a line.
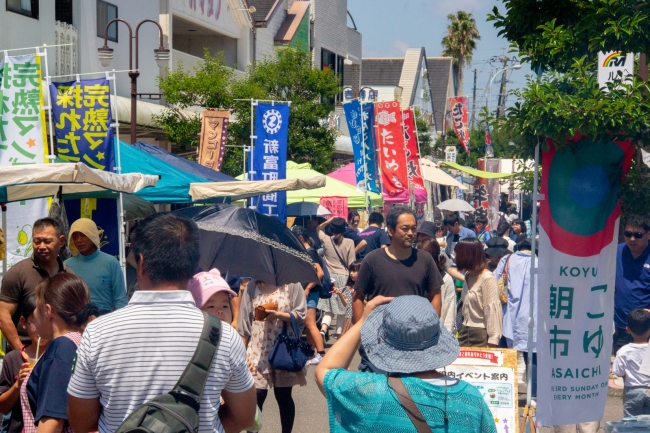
240	241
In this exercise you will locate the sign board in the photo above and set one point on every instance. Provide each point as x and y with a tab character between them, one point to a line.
494	373
610	63
214	130
450	154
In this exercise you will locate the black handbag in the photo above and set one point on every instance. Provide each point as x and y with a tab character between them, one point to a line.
290	354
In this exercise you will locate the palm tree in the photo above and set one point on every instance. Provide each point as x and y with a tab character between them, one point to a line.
460	43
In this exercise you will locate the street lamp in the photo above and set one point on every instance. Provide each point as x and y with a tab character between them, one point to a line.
514	67
161	55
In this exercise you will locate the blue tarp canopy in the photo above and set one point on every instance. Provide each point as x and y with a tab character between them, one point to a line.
174	184
183	163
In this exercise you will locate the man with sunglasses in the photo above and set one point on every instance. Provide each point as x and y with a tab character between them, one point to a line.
632	277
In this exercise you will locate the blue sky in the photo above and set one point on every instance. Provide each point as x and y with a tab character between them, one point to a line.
389	27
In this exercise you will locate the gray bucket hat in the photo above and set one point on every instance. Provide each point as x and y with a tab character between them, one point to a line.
406	336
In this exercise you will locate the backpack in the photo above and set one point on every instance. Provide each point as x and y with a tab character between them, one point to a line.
178	410
326	281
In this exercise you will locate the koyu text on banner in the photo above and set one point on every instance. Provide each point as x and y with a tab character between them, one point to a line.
577	268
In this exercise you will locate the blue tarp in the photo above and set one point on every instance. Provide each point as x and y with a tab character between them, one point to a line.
174	184
184	164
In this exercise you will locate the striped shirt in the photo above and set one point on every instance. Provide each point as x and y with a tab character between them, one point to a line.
134	354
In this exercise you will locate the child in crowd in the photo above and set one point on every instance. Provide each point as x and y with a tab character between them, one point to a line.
627	363
16	369
481	222
345	295
212	294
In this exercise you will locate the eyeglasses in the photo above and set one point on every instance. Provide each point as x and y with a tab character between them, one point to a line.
635	235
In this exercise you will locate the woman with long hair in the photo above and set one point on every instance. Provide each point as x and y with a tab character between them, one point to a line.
482	312
63	309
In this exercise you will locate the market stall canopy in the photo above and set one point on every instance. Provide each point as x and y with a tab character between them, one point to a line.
433	174
248	188
24	182
174	185
333	188
477	173
183	163
346	174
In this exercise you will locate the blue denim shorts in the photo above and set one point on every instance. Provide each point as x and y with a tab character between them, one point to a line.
312	299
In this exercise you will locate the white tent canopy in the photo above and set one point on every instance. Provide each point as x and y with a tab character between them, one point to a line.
248	188
43	180
433	174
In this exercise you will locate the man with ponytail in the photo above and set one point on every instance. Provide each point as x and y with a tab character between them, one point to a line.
136	353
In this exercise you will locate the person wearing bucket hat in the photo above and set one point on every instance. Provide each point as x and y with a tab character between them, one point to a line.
404	337
101	272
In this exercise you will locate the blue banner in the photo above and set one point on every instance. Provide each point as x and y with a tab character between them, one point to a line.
82	120
269	161
353	116
372	172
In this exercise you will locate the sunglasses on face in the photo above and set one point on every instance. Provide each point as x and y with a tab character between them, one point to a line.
635	235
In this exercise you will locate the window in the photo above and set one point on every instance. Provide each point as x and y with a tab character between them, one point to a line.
335	63
105	13
63	11
28	8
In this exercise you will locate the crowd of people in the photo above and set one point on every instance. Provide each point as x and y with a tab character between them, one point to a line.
405	297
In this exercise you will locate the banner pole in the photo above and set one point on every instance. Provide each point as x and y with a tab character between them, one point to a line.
118	170
365	162
48	80
533	272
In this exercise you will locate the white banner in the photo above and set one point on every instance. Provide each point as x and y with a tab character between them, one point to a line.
576	309
579	221
22	139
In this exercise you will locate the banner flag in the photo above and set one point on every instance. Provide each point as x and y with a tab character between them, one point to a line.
494	193
578	243
337	205
82	120
214	130
352	111
489	149
460	194
392	152
414	172
270	156
481	193
22	142
460	117
369	142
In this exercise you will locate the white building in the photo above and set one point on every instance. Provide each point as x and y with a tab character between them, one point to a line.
245	31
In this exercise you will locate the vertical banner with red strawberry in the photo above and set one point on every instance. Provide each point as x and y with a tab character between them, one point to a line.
578	242
392	152
460	118
414	172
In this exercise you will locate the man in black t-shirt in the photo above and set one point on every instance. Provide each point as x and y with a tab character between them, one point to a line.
399	269
373	237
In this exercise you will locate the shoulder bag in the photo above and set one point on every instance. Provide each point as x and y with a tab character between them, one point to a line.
290	354
338	255
178	410
409	405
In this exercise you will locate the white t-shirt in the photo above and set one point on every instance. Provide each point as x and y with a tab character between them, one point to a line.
628	364
138	352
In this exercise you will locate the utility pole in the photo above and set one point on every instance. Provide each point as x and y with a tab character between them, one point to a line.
502	88
473	122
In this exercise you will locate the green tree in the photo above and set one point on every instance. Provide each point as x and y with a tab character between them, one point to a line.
563	38
290	76
460	43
